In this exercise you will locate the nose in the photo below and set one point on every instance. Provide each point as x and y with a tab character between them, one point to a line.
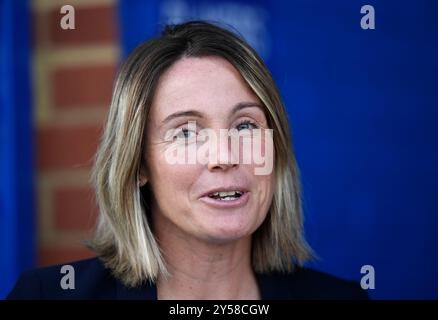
224	154
220	166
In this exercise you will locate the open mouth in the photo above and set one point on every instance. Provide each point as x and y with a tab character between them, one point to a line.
227	198
226	195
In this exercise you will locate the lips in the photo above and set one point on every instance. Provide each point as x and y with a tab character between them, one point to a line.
226	197
235	190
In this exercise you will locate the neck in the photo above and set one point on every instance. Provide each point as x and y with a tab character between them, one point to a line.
202	270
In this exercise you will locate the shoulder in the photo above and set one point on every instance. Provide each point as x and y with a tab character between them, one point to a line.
84	279
306	283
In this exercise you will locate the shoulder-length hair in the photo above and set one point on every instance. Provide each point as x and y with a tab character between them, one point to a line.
124	239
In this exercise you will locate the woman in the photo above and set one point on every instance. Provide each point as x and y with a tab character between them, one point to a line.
209	229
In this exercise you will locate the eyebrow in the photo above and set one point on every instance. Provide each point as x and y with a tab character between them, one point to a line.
198	114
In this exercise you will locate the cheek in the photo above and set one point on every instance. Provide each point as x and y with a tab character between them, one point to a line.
265	191
170	181
258	151
262	169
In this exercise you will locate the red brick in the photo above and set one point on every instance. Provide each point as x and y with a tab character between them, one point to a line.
58	255
67	147
84	85
74	208
92	25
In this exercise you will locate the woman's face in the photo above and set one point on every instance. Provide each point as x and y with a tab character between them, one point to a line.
210	93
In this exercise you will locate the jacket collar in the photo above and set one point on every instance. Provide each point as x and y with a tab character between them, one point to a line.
148	291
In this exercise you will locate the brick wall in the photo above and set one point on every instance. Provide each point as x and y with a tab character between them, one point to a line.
73	72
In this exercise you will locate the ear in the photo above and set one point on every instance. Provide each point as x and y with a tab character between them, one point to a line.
142	177
142	182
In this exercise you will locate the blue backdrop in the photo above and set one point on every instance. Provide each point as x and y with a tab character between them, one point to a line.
363	107
17	228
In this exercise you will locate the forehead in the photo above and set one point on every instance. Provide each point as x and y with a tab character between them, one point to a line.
206	83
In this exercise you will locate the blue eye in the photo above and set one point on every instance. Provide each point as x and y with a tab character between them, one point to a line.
246	124
184	134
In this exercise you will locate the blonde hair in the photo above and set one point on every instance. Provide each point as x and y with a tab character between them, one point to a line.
124	239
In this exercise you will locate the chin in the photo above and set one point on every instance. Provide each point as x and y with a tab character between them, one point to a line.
227	231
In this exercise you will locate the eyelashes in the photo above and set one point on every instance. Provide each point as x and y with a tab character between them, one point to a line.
184	133
251	124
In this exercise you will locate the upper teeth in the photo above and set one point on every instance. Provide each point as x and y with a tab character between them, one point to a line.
226	193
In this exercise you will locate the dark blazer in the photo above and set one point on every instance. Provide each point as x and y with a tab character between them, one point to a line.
94	281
